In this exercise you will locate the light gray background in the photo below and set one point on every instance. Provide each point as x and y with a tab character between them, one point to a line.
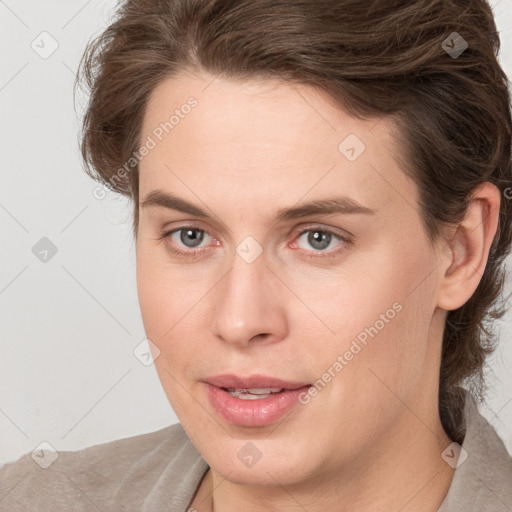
69	326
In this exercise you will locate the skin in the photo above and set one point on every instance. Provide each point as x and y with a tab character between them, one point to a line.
371	440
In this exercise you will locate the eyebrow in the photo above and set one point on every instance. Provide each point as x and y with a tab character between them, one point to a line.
337	205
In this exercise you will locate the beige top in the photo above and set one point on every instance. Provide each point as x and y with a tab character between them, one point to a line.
162	470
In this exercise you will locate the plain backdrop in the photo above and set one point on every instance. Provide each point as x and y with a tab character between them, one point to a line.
70	324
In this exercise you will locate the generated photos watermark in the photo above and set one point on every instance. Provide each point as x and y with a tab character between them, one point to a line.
118	180
357	345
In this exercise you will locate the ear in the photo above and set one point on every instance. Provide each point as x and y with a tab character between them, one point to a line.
468	248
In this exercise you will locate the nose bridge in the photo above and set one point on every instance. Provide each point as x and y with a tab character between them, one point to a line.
245	305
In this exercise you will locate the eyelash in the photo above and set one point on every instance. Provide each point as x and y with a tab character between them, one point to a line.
316	254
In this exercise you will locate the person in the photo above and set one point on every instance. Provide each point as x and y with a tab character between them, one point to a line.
321	208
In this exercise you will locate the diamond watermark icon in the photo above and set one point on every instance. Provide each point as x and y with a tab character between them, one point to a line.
454	455
44	455
351	147
44	250
45	45
454	45
146	352
249	455
249	249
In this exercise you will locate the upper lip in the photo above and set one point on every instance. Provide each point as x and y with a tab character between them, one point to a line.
252	382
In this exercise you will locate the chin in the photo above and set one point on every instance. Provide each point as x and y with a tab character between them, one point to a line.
254	462
261	474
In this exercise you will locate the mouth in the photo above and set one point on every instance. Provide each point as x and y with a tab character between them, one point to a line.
254	382
254	393
253	401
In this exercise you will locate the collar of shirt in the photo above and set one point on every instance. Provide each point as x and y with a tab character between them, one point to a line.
482	481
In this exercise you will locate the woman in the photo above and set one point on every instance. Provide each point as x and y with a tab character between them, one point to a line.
321	215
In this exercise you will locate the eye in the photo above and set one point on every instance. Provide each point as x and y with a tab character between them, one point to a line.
186	240
321	239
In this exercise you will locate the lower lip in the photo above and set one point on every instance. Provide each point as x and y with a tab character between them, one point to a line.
253	413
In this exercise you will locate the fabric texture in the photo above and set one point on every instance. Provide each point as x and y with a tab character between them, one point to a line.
162	470
483	482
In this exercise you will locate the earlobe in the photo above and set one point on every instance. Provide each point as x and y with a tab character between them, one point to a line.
468	248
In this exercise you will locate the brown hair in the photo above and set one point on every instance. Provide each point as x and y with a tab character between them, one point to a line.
376	58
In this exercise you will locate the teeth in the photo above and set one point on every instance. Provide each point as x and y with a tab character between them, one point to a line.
263	391
253	393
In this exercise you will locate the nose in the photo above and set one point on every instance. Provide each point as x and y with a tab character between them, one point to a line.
249	305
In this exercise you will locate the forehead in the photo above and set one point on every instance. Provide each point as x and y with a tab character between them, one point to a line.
262	139
250	112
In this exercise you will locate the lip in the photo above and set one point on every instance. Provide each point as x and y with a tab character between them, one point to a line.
229	381
252	413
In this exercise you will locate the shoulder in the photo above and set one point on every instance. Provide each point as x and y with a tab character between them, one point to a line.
93	478
482	481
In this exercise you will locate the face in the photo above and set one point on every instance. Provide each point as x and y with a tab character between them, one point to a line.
325	311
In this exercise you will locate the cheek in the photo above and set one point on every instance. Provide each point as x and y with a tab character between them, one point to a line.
166	306
394	324
343	304
157	299
164	295
375	315
172	309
